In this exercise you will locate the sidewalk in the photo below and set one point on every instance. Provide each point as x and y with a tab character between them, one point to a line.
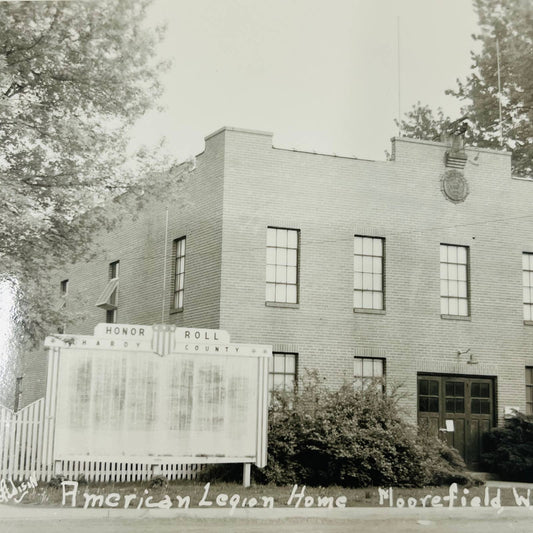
33	512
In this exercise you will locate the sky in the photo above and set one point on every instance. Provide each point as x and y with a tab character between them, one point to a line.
321	75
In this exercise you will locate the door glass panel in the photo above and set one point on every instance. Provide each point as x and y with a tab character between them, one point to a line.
428	396
455	392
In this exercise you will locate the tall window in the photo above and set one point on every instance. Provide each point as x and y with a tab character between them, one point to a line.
369	372
527	282
179	273
282	265
282	371
454	280
529	390
109	298
368	273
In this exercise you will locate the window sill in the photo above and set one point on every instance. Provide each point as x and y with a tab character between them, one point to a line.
176	311
282	304
457	317
369	311
528	322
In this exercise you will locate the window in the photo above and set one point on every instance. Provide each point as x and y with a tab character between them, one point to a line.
109	298
368	273
529	390
282	265
454	280
179	273
527	282
63	287
282	371
369	372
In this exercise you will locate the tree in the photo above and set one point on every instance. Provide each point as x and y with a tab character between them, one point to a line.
506	25
74	77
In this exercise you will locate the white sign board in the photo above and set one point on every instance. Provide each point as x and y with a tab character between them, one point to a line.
160	394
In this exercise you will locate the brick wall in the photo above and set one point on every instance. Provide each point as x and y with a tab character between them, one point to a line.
242	185
330	199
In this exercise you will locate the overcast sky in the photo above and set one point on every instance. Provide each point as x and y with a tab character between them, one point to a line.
320	74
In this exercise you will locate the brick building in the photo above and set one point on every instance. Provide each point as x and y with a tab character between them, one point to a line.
419	269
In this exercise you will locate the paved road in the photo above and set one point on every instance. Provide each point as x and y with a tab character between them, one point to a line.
350	520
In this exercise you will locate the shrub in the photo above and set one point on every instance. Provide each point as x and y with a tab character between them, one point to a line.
348	438
509	449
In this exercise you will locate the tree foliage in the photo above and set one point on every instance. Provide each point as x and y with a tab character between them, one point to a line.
74	77
509	449
507	25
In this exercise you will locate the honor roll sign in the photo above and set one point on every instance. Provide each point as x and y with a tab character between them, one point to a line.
158	394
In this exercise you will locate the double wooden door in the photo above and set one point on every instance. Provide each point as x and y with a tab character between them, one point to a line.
459	409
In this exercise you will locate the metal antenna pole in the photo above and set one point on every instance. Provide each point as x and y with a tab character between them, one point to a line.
399	81
499	90
163	296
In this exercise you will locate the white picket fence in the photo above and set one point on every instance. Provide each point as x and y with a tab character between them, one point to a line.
26	445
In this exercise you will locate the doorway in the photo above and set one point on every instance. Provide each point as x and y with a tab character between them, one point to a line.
459	409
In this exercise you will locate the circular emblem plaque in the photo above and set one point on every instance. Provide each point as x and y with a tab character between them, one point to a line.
454	186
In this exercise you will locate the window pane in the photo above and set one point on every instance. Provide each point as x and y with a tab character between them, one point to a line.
291	274
368	368
367	246
452	254
367	300
433	405
290	364
378	247
453	306
281	293
452	288
376	282
377	300
279	363
367	264
292	239
463	307
281	256
461	272
358	245
443	253
461	255
452	271
433	387
281	238
377	265
291	257
423	386
462	289
358	281
378	368
281	274
358	263
292	294
367	281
